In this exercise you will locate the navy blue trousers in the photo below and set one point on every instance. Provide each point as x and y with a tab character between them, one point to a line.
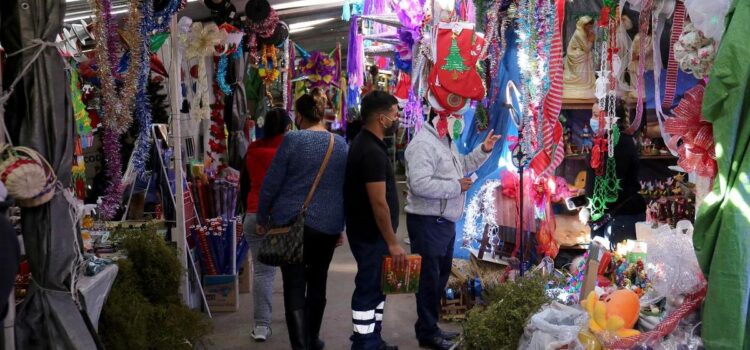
431	237
368	300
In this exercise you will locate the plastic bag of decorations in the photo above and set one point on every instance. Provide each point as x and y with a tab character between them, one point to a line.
556	326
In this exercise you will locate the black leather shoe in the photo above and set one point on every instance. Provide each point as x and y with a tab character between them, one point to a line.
447	335
436	343
386	346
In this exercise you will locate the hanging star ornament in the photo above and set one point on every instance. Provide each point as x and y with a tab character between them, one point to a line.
611	122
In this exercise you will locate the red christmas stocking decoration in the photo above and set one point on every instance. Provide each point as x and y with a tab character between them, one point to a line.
442	99
458	50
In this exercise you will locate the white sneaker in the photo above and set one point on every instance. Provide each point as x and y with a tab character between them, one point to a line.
261	333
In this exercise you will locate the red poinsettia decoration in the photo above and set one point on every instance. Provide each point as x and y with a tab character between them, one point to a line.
692	135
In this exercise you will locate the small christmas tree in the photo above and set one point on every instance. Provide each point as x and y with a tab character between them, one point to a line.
454	62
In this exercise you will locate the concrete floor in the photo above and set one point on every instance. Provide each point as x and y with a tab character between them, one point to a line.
232	330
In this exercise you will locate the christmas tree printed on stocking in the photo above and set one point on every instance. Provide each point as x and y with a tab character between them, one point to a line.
454	62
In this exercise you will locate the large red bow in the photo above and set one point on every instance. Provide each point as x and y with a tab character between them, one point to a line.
696	151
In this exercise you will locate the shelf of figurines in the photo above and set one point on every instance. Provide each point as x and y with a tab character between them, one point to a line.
643	157
578	103
587	103
579	147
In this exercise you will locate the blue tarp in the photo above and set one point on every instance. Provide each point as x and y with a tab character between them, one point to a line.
500	121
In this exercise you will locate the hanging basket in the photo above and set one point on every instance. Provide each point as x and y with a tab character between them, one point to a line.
28	177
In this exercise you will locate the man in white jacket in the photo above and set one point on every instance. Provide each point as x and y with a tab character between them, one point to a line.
437	177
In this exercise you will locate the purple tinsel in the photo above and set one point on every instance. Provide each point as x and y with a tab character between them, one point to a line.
112	35
413	113
356	56
113	193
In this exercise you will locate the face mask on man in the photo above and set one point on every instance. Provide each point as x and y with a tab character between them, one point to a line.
390	130
594	125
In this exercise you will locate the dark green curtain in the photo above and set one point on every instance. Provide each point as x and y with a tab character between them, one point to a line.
722	229
39	116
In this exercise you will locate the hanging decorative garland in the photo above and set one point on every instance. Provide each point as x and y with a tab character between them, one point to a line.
606	184
535	28
200	42
268	67
117	103
644	23
117	113
230	48
263	29
142	149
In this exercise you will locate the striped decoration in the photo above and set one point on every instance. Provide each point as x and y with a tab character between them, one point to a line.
672	65
547	161
643	26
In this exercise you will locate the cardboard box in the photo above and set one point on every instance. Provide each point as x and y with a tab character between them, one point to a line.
596	253
401	282
245	276
222	293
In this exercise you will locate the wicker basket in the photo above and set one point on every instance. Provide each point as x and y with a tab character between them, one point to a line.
28	177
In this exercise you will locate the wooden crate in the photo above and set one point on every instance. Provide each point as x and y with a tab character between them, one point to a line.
456	309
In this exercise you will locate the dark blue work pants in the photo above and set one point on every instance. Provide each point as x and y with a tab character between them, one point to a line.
431	237
368	300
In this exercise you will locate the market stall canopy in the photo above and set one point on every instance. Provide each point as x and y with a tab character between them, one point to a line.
312	23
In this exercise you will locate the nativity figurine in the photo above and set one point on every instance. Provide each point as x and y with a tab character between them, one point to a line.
579	78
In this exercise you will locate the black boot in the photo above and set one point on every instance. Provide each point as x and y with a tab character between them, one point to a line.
314	322
296	323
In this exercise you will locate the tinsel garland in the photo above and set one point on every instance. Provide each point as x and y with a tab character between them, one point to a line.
160	20
264	29
413	112
117	112
480	212
497	49
535	28
142	147
113	171
221	75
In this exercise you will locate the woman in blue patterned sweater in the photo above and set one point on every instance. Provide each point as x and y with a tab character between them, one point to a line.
284	189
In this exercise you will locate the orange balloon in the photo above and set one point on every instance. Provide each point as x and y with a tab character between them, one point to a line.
624	303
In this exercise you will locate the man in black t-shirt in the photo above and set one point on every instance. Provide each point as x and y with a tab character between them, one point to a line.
371	201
